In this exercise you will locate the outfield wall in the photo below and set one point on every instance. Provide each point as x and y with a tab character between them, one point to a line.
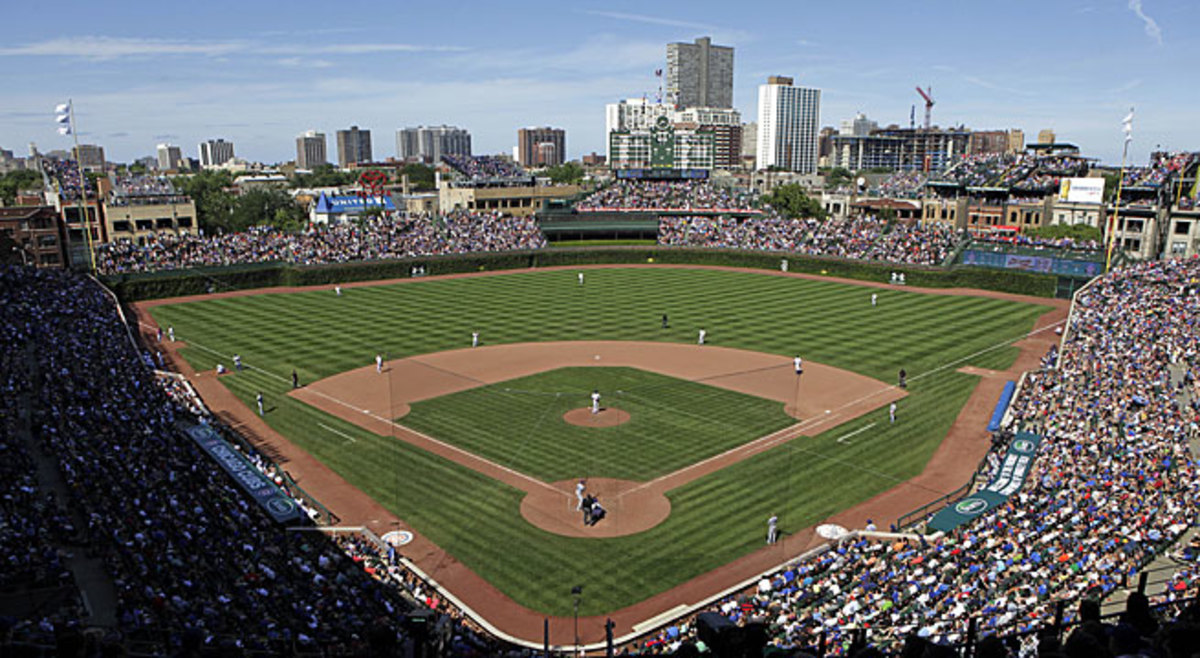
178	283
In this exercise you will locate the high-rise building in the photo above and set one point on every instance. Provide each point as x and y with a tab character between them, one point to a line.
700	74
310	150
1046	136
169	157
353	146
541	147
430	143
988	141
859	126
633	114
89	156
788	117
1016	140
215	152
725	124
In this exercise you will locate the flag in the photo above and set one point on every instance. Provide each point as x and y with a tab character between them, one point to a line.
1127	126
62	116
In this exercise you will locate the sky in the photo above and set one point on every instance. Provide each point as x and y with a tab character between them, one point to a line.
260	73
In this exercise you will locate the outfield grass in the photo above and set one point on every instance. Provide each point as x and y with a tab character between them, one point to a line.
519	423
714	519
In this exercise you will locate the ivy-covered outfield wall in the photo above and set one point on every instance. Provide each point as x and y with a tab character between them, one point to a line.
136	287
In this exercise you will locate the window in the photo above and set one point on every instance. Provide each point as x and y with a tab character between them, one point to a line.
1178	248
185	222
122	227
47	241
1181	228
145	224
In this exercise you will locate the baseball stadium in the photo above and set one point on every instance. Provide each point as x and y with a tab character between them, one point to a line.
660	417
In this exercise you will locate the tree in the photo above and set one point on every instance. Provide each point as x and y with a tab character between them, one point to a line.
325	175
1111	180
838	177
792	201
568	172
265	207
207	189
420	176
1058	231
17	180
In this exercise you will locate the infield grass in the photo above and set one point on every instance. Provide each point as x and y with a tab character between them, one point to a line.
519	423
714	519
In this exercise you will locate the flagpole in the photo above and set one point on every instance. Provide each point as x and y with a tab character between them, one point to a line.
1112	224
84	216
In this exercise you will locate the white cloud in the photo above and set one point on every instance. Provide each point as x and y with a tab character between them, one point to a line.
1149	24
653	20
100	47
111	47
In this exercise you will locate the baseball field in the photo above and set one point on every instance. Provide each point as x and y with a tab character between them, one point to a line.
456	438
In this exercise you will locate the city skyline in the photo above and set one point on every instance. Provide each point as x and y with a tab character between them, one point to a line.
148	73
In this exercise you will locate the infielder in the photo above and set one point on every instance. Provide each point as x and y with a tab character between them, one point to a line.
579	488
595	402
259	399
892	412
237	362
474	339
171	334
799	364
378	363
703	333
772	529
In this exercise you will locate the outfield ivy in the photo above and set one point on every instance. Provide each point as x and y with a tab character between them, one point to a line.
136	287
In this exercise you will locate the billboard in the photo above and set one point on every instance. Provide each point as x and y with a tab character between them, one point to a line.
1081	190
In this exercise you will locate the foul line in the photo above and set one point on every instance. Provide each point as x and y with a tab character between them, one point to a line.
339	433
426	437
842	439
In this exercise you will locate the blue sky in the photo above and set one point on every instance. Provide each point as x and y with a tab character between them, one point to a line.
259	73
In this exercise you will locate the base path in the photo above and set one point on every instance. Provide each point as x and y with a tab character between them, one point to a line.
950	466
821	398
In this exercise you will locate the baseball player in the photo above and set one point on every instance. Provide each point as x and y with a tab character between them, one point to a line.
474	339
799	365
237	362
158	355
378	363
595	402
171	334
295	379
579	489
337	290
664	321
874	299
259	399
772	529
159	334
892	412
581	278
703	333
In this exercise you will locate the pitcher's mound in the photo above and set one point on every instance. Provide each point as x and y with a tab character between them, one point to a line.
608	417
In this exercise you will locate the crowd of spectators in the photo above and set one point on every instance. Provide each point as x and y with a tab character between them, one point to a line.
371	239
1112	487
66	174
484	166
141	189
679	196
902	185
862	238
198	568
1048	244
1162	165
1023	173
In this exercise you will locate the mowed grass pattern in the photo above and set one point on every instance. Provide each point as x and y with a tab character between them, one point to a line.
715	519
519	423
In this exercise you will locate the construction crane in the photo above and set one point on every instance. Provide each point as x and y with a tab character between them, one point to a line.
927	94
